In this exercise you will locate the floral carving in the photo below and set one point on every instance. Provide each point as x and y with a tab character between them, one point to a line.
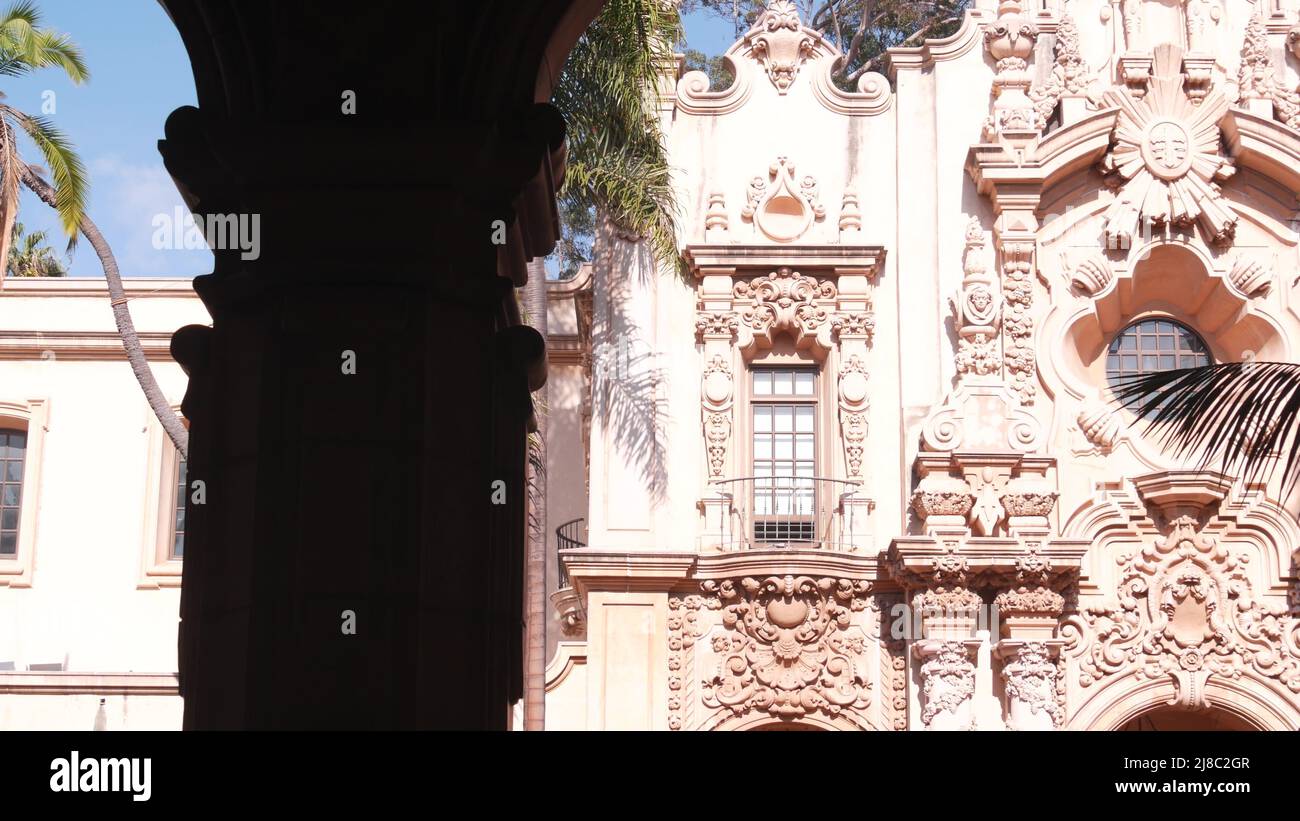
894	653
861	324
683	629
853	417
1030	676
780	44
1257	77
954	499
717	324
788	651
716	393
1187	609
947	678
1029	502
1070	74
1017	324
717	432
754	196
784	300
1164	163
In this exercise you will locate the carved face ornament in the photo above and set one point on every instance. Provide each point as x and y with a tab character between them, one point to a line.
1166	149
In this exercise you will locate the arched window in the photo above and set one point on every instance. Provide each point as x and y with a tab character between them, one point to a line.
1154	345
13	453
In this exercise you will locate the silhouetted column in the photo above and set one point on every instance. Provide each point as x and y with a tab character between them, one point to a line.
359	413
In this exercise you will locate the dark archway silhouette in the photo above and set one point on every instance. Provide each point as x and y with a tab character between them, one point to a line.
370	491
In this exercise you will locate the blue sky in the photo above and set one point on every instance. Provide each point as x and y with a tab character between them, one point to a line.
140	73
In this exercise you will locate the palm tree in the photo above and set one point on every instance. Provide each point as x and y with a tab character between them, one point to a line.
617	172
617	161
25	47
1242	416
29	256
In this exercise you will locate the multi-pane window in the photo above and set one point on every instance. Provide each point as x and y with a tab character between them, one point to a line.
1151	346
784	408
178	520
13	452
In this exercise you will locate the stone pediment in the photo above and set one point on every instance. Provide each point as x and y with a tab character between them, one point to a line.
791	59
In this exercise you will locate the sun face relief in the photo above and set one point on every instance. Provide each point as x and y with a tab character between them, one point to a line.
1165	149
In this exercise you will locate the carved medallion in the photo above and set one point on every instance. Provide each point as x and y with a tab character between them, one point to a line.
1164	162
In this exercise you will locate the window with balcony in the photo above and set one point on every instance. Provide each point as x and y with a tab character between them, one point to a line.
783	411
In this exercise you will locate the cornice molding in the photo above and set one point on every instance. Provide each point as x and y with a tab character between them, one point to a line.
80	345
843	259
99	684
134	287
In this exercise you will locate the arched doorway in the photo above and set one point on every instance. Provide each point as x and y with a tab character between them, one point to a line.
1173	719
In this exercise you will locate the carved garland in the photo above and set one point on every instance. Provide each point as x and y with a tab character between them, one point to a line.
1032	678
948	679
1017	324
1070	75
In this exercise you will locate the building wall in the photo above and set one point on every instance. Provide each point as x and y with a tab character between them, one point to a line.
93	599
952	248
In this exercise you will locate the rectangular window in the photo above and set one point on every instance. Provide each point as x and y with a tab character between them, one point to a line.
13	453
784	413
178	520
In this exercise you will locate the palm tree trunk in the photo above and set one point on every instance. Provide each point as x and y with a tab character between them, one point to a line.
535	568
171	423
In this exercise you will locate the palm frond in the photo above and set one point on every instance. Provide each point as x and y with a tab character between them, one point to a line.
18	25
54	50
69	174
1241	415
618	162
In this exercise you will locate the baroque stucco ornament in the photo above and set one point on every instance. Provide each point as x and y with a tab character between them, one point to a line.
784	206
1164	162
779	42
787	649
786	300
1187	609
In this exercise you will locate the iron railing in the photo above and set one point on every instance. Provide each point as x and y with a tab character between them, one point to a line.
796	512
569	536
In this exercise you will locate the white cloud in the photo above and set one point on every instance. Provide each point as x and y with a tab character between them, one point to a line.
125	198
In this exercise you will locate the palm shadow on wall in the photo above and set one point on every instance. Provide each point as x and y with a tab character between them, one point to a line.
628	383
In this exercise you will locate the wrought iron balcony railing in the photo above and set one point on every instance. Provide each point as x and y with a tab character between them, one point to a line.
568	536
795	512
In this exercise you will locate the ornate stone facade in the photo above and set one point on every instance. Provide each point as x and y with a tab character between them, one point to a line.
978	538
